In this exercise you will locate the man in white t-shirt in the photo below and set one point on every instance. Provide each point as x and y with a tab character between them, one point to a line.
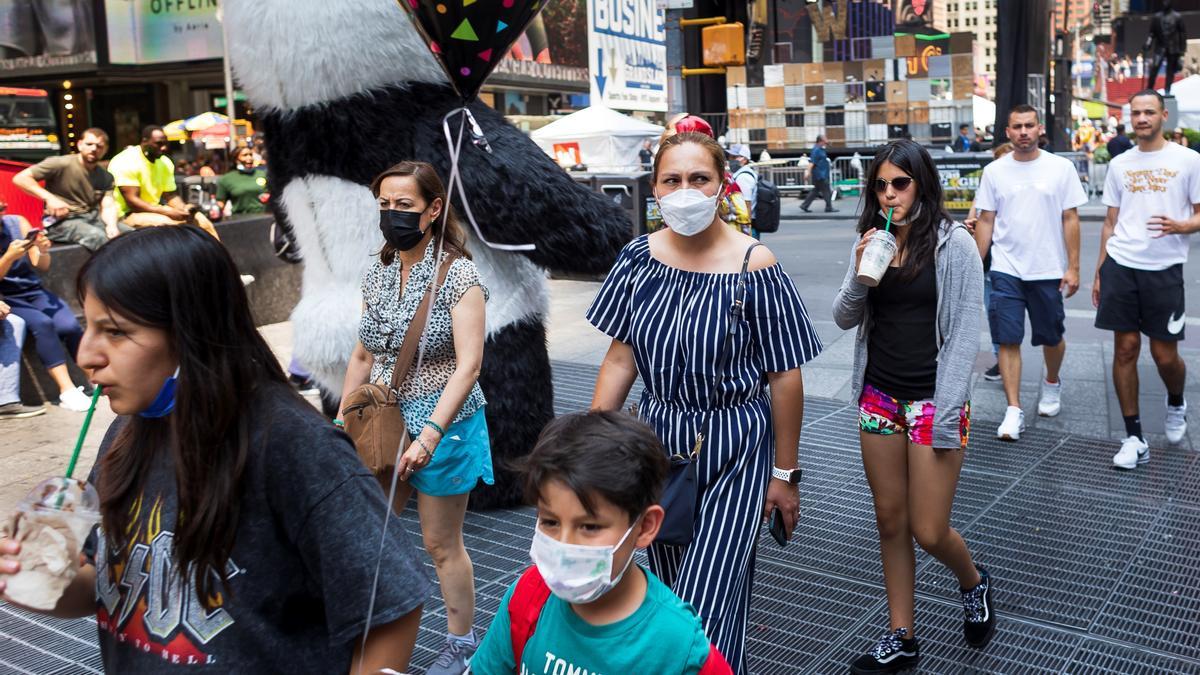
1153	197
1027	203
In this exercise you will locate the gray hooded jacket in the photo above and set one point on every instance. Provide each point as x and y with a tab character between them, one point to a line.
960	304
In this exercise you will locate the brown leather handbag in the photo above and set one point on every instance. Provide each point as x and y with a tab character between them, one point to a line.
372	415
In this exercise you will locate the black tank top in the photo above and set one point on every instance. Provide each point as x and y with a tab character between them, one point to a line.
902	344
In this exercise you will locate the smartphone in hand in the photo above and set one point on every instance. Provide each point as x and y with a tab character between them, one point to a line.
776	527
32	238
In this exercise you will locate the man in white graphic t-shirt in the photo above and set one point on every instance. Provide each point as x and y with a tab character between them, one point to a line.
1027	203
1153	197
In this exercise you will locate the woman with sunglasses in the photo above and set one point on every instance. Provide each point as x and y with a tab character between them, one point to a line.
918	335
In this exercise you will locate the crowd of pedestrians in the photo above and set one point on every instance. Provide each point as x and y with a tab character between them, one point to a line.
701	311
88	202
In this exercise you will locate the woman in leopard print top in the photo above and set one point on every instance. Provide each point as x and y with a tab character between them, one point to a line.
441	401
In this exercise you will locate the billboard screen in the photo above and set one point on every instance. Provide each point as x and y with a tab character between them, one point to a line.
46	37
554	47
162	31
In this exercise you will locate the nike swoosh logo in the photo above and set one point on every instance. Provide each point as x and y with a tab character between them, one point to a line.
1174	325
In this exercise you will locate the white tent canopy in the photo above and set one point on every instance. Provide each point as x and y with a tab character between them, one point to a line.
601	138
1187	99
983	112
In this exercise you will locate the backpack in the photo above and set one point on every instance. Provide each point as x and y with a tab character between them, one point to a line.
525	606
766	202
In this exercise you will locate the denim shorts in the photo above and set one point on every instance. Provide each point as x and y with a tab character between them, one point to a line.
1013	297
879	413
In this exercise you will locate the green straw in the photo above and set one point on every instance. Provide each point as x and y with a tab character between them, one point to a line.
87	422
886	228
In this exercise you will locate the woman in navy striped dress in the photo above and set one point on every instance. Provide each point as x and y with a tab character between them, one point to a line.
666	306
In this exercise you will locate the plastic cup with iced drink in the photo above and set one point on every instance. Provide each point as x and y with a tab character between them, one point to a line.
51	524
876	257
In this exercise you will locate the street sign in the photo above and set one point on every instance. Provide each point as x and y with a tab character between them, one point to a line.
627	54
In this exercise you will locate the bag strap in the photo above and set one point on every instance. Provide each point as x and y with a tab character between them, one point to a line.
524	607
745	169
735	313
412	337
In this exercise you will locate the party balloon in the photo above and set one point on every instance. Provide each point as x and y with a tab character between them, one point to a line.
469	37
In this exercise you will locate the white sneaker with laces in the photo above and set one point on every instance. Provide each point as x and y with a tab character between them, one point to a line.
1133	452
1012	426
74	399
1176	423
1051	401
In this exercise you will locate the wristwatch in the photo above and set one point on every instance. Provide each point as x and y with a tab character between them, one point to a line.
789	476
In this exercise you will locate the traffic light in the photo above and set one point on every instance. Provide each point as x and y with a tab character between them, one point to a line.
724	44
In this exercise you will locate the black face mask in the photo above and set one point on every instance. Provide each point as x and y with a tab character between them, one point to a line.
401	229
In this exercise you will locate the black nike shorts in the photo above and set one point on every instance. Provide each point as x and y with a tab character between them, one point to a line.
1133	300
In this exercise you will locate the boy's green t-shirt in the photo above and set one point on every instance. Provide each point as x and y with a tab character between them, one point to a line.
664	636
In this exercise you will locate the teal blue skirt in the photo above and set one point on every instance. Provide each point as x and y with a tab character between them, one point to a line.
461	460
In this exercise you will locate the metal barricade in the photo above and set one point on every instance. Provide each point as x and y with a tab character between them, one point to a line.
792	177
1099	174
1083	166
789	178
848	173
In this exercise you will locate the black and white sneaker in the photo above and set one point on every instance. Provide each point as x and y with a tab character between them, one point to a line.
894	653
979	616
992	374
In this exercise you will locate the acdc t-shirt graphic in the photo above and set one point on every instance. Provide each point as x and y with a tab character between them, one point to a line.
143	601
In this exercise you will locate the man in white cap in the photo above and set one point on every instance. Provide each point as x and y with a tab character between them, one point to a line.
744	174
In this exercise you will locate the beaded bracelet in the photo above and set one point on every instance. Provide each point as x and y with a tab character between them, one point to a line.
424	447
436	427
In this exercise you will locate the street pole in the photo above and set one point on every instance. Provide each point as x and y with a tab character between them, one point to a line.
676	98
230	108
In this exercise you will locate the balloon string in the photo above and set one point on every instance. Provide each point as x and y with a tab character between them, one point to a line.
455	180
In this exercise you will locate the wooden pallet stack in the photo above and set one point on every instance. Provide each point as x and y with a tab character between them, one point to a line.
918	86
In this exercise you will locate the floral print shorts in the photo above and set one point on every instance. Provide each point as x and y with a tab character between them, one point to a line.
881	414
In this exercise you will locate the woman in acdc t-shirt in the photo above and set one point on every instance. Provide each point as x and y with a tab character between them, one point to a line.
239	529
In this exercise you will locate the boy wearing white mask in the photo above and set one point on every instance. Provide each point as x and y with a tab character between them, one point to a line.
585	606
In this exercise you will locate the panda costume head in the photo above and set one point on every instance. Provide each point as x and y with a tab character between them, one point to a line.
344	90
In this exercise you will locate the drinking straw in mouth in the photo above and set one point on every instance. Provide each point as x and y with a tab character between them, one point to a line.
887	227
87	422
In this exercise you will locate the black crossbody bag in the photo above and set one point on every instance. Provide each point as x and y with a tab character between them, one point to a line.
681	494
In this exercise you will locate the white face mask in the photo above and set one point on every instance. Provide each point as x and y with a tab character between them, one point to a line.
901	221
575	573
689	211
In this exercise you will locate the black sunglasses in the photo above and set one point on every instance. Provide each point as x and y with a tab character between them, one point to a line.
901	184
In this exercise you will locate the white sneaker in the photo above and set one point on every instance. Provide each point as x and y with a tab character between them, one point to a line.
247	279
1051	401
1133	452
1176	424
1012	426
74	399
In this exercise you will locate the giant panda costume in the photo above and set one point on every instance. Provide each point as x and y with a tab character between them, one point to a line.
345	89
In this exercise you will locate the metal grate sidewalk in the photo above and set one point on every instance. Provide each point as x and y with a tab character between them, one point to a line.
1095	568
